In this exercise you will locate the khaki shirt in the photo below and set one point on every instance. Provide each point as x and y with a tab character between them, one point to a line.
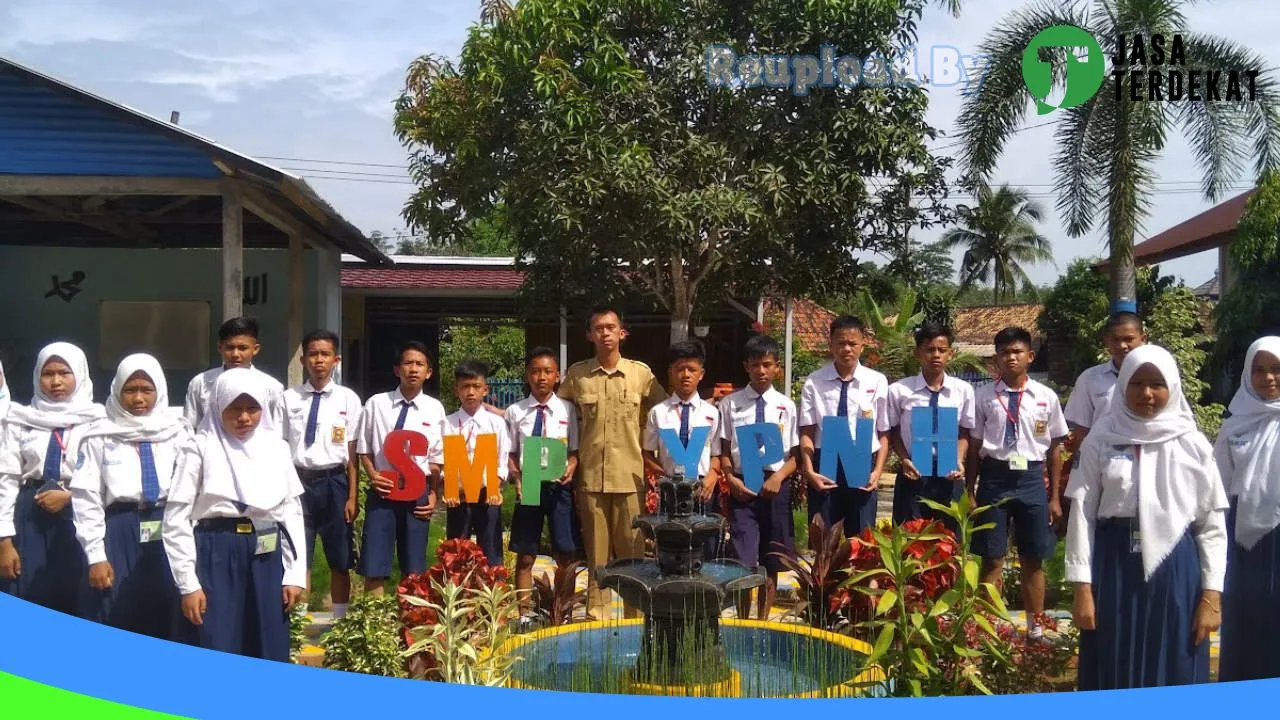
612	407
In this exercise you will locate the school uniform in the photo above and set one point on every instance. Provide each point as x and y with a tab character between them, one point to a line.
556	419
36	456
683	417
232	525
200	389
480	519
1248	457
390	528
5	400
321	426
125	468
1091	395
904	397
1147	531
1015	430
761	526
865	395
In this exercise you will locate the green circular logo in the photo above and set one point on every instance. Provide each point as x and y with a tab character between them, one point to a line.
1080	78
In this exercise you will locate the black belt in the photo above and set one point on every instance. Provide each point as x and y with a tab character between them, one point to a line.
116	508
240	525
306	474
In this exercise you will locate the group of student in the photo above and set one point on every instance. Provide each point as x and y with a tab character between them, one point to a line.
187	524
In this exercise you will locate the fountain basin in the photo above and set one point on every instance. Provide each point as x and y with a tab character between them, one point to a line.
766	659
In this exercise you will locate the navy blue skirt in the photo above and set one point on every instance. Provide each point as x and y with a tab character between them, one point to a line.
53	564
1251	609
1144	627
143	598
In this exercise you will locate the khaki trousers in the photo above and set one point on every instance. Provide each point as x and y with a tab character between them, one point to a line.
607	535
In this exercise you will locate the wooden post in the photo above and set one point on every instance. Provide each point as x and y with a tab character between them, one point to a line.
297	298
232	252
564	340
790	313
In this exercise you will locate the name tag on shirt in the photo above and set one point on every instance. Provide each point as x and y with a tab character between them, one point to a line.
148	531
267	537
1017	462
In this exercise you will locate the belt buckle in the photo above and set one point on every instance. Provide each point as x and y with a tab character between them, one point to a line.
244	528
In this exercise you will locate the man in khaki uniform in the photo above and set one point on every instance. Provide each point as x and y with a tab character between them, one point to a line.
613	396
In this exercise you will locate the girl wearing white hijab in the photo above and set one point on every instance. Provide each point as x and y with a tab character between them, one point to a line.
1146	540
232	524
125	469
40	560
1248	454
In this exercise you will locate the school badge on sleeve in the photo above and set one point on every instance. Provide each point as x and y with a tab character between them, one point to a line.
339	435
1042	427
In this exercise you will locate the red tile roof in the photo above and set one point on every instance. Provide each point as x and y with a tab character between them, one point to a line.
810	323
408	277
1212	228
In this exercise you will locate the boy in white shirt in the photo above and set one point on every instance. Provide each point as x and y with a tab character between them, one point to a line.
238	345
682	413
844	388
399	528
932	388
760	524
484	517
1019	424
322	421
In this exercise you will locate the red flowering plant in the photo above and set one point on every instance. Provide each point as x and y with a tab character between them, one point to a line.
821	578
930	616
1035	666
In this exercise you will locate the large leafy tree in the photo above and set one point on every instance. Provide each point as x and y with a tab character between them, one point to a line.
1248	308
624	171
1107	149
999	238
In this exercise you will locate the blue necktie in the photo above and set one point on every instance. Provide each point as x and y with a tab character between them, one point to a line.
53	457
539	421
760	419
933	406
404	413
1011	426
684	423
842	410
313	419
150	480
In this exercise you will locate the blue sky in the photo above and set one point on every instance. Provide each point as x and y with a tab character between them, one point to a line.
314	81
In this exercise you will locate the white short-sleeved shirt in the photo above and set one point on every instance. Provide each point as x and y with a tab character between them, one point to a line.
22	452
109	470
377	420
666	415
867	398
201	387
1091	395
560	422
337	424
739	409
913	392
1040	421
482	423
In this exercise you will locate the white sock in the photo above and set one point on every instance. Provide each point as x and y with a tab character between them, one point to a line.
339	610
1034	630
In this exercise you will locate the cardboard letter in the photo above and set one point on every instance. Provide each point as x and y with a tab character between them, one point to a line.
408	480
684	456
925	437
533	474
843	448
471	474
753	461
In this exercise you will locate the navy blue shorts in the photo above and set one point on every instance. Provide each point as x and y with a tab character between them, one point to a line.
760	527
907	496
391	530
556	510
849	505
1026	504
481	520
323	503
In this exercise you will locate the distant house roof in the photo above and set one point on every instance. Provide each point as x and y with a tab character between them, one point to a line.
1210	229
976	327
435	275
810	323
1210	290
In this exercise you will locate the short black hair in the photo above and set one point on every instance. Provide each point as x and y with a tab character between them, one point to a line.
599	310
848	322
1123	318
541	351
687	350
1011	335
322	335
470	370
932	331
237	326
762	346
416	346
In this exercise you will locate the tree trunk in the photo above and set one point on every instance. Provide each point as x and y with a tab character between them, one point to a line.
679	329
1124	279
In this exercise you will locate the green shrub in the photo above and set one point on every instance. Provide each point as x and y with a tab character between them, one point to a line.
365	640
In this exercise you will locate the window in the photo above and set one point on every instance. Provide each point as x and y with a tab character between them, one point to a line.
176	332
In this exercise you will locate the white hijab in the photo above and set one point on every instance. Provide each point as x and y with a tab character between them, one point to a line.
1257	481
162	423
1177	479
4	394
257	471
48	414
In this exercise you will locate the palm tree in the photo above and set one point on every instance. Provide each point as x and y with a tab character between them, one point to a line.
999	237
1107	149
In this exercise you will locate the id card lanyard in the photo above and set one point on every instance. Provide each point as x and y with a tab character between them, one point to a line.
1135	532
1016	461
